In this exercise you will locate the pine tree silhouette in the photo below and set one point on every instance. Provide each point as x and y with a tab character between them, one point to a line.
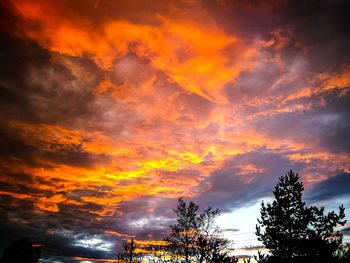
293	232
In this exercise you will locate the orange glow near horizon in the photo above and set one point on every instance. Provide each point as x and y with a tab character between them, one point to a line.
152	242
94	259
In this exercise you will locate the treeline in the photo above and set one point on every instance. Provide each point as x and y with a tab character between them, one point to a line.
290	231
193	238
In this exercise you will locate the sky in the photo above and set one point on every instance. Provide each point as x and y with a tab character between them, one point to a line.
111	110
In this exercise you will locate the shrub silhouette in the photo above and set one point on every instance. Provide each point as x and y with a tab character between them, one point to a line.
343	254
21	251
293	232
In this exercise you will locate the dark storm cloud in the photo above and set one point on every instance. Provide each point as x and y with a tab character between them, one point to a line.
13	148
61	234
228	186
336	186
322	25
17	56
33	89
337	136
148	217
324	126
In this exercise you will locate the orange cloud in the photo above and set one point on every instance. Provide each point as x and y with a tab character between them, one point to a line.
70	178
199	58
117	234
166	77
15	195
50	204
153	242
94	259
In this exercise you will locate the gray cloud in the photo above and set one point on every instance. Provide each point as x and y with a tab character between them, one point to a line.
228	190
332	187
346	231
323	126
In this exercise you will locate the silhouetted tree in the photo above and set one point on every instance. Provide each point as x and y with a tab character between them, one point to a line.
293	232
343	254
183	234
172	250
158	253
21	251
224	258
195	235
129	253
210	244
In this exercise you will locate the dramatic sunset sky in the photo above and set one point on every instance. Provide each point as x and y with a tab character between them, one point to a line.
111	110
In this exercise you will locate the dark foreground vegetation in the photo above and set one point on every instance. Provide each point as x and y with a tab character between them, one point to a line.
193	238
293	232
21	251
290	231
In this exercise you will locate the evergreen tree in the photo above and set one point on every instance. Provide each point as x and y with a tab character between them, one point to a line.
293	232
